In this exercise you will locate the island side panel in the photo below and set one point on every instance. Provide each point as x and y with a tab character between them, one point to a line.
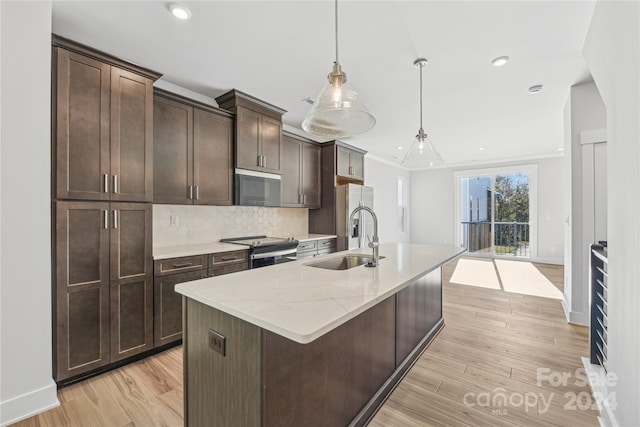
419	309
221	390
327	382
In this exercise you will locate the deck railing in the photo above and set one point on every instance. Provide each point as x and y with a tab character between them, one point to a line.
510	238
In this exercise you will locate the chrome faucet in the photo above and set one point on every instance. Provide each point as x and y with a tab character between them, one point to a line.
374	242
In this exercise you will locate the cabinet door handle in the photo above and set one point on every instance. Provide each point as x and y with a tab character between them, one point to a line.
197	192
115	219
115	184
190	191
259	160
182	264
228	258
264	161
326	243
106	219
350	170
304	199
106	183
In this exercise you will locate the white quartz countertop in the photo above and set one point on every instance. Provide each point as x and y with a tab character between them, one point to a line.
198	249
309	237
303	303
215	247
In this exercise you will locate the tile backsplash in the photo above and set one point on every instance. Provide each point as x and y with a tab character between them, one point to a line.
204	224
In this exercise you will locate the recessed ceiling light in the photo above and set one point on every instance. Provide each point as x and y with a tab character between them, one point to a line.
399	147
480	148
308	101
180	11
560	149
500	61
535	89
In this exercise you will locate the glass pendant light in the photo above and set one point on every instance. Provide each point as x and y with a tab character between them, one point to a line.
421	153
337	112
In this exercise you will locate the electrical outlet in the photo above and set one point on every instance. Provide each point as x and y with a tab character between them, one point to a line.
217	342
174	220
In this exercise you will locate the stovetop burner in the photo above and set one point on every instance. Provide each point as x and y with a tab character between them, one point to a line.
263	241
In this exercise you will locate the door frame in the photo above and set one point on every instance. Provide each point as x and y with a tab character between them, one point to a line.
532	171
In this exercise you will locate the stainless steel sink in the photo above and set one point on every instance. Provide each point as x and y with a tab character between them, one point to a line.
343	263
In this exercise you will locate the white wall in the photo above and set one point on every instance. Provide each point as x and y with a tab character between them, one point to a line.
612	52
584	111
383	177
433	206
26	384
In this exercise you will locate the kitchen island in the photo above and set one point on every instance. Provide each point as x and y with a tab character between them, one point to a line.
293	344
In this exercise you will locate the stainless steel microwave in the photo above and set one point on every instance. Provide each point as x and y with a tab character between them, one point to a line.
257	188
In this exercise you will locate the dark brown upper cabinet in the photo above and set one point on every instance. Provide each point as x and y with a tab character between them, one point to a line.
103	126
349	163
192	152
104	284
258	144
300	172
341	164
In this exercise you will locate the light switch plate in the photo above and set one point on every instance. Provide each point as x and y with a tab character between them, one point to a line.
217	342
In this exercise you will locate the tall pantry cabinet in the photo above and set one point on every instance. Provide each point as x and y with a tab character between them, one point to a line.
102	189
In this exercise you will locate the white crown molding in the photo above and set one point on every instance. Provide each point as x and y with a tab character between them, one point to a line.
494	162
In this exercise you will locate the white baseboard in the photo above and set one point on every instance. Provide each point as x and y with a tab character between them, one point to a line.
606	418
544	260
28	404
574	317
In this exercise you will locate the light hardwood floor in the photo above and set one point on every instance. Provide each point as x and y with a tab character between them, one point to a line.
491	347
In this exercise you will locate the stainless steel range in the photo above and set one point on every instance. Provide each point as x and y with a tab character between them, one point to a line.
266	251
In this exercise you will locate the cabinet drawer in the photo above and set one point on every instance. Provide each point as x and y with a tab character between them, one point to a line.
226	269
305	255
307	246
179	265
224	258
327	244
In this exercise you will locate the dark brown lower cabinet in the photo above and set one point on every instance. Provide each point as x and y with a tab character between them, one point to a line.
333	377
81	292
419	308
131	290
103	284
167	306
339	379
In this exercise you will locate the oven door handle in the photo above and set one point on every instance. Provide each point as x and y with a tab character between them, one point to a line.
275	253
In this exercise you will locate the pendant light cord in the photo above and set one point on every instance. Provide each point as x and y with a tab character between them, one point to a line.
336	13
421	66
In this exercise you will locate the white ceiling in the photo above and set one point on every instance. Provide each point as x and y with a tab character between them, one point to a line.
281	51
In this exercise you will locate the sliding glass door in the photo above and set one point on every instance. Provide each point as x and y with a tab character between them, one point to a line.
494	211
